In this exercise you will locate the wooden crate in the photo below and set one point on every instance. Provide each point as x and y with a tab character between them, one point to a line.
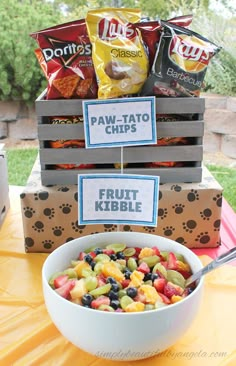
103	157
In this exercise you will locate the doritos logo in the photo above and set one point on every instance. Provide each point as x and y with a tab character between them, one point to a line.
110	29
65	50
189	53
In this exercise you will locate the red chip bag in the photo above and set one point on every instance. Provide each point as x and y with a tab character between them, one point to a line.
151	33
65	56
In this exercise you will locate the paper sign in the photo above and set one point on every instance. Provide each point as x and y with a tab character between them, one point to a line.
119	122
118	199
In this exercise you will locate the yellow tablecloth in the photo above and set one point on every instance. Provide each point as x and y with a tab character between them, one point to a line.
28	337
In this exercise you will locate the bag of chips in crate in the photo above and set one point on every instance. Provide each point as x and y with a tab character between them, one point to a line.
65	56
118	53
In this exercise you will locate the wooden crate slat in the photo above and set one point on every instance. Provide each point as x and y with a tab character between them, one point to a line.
164	129
173	175
70	107
130	154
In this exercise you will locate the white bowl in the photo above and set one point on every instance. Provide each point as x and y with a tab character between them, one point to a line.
113	335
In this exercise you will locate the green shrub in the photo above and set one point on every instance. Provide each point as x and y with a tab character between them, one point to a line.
20	75
221	74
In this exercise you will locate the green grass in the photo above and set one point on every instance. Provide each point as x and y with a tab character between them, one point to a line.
227	179
21	161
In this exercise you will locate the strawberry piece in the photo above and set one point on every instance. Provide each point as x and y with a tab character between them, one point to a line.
81	256
137	250
108	251
159	284
60	280
143	267
93	255
65	289
165	264
125	283
101	300
156	251
172	289
164	298
172	261
101	280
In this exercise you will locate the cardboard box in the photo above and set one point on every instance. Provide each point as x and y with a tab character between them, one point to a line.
189	213
4	188
191	126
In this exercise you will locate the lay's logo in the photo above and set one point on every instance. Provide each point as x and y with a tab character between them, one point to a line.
111	29
189	53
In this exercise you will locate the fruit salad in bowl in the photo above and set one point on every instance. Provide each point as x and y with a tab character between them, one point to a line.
130	287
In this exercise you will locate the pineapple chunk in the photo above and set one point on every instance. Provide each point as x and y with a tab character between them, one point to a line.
80	266
79	289
135	307
146	252
150	294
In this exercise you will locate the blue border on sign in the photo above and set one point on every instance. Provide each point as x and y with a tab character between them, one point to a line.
156	180
87	103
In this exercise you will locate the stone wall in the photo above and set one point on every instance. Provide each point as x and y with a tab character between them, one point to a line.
220	125
19	122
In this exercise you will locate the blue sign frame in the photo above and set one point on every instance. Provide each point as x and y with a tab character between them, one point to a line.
107	142
154	199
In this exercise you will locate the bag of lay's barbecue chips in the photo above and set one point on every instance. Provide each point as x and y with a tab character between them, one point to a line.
65	56
180	63
118	53
151	33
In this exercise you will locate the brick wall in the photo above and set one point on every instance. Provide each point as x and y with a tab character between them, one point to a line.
19	122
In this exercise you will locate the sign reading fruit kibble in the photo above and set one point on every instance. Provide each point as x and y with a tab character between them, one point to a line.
118	198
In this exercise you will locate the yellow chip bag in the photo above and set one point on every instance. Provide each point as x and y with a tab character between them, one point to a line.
119	57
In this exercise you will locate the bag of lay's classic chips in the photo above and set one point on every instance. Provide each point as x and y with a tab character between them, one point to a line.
65	56
151	33
119	57
180	63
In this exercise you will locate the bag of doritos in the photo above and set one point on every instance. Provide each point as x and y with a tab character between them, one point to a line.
180	63
118	53
65	56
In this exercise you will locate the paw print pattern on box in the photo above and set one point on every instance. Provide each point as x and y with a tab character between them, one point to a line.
189	213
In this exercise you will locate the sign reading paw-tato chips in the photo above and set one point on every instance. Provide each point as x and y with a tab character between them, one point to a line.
118	54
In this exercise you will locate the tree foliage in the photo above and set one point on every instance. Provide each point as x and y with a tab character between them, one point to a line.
20	75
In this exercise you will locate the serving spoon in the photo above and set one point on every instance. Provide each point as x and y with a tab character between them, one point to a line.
219	261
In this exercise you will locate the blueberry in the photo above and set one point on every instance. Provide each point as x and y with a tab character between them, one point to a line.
115	304
127	274
98	251
147	276
111	280
115	287
154	276
189	290
131	292
113	257
92	264
120	255
88	258
113	295
87	299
